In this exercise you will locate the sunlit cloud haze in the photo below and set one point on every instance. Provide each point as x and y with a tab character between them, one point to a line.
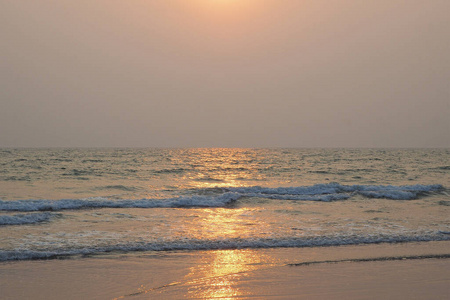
225	73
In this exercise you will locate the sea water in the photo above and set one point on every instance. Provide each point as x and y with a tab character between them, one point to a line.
77	202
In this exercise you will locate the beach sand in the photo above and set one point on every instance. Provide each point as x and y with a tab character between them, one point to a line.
382	271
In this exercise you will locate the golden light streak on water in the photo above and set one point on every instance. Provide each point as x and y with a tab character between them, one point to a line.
221	274
230	167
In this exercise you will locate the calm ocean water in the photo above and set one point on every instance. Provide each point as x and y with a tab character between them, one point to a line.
75	202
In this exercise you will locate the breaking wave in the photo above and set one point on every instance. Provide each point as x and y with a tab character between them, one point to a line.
64	204
22	219
335	191
225	196
221	244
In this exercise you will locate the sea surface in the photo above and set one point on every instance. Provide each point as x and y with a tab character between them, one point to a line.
85	202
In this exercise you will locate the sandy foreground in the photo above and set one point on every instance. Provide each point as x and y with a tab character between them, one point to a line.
383	271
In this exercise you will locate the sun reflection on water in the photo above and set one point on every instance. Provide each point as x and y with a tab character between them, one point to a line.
221	274
222	168
223	223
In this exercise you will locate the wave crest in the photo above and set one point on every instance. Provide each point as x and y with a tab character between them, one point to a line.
220	244
22	219
225	196
65	204
336	191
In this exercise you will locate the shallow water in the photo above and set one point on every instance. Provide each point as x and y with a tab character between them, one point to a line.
66	202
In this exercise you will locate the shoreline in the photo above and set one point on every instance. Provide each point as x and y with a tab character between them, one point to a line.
400	271
375	259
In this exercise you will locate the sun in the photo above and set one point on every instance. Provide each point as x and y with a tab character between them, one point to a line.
233	9
228	4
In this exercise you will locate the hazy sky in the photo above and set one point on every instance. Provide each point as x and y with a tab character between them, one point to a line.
233	73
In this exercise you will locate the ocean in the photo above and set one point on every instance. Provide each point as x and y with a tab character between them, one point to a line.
77	203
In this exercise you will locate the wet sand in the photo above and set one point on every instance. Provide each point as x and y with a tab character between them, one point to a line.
383	271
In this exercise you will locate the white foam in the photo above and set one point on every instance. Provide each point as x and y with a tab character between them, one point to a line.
320	197
21	219
318	192
335	191
64	204
221	244
317	189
